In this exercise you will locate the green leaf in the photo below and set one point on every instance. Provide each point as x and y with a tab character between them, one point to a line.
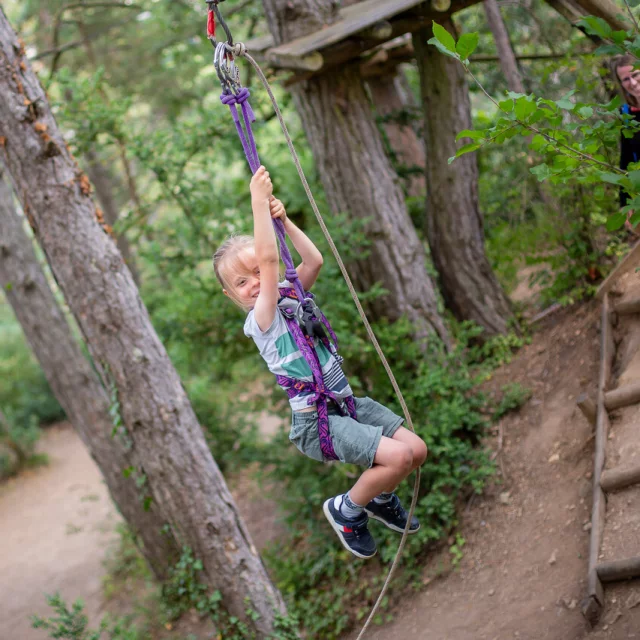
467	44
444	38
585	112
146	504
613	178
616	221
524	108
634	176
565	103
506	105
127	472
469	133
542	172
596	26
466	148
442	49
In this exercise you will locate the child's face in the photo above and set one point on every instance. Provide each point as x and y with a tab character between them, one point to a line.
244	278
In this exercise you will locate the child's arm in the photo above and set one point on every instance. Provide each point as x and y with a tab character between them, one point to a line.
266	248
312	261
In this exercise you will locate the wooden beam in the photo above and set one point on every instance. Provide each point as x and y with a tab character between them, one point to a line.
622	396
311	62
380	31
595	592
631	260
627	307
608	11
351	20
614	479
619	569
342	41
588	408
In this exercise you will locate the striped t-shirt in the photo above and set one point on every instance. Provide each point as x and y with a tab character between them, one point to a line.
280	351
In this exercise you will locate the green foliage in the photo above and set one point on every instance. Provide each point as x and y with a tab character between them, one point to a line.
72	624
24	391
514	396
184	592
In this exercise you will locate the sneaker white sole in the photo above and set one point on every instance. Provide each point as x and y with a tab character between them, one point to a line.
392	526
336	527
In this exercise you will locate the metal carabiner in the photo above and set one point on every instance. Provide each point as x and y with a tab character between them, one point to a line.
228	72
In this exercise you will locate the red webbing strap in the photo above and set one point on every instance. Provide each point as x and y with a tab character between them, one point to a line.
211	25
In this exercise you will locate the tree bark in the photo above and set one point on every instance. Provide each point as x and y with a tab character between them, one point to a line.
390	98
103	184
453	219
357	175
182	479
508	62
74	383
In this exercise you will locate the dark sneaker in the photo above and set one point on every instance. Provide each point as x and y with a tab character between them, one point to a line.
353	533
392	514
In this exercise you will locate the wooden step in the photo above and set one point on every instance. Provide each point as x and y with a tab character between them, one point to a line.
622	397
614	479
627	307
619	569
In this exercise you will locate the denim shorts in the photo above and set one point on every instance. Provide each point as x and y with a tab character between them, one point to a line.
353	441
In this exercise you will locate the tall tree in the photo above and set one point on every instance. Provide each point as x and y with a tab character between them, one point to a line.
74	382
181	478
357	175
103	184
453	218
392	100
508	61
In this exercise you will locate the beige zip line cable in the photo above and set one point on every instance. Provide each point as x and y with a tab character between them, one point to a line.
239	49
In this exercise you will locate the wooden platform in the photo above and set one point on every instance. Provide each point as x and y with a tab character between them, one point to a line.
351	34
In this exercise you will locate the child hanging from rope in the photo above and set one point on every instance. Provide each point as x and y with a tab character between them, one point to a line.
248	269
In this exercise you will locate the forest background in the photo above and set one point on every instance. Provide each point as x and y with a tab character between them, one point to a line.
135	93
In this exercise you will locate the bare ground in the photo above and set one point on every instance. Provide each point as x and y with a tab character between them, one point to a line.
524	568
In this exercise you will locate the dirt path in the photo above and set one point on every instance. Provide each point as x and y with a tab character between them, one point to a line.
55	523
525	564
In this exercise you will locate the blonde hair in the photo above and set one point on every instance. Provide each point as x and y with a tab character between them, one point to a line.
625	60
226	261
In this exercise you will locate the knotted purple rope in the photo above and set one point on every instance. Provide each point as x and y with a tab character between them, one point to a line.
251	152
294	387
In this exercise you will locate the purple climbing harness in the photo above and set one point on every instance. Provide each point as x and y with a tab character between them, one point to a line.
319	393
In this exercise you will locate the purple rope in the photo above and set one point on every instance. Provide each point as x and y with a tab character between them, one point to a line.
294	387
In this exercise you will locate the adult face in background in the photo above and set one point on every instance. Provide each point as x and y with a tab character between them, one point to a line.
630	80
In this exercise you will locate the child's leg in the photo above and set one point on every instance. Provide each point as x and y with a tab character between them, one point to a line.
418	447
394	461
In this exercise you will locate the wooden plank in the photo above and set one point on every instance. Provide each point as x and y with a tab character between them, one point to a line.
351	20
606	10
595	599
631	260
619	569
622	396
588	408
627	307
617	478
347	48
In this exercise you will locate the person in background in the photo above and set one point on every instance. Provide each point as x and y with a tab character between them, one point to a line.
629	80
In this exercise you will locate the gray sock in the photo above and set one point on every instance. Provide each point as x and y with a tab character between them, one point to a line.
383	498
347	507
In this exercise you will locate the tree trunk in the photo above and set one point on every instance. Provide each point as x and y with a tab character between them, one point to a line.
74	383
508	62
357	175
182	479
103	184
390	98
453	218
